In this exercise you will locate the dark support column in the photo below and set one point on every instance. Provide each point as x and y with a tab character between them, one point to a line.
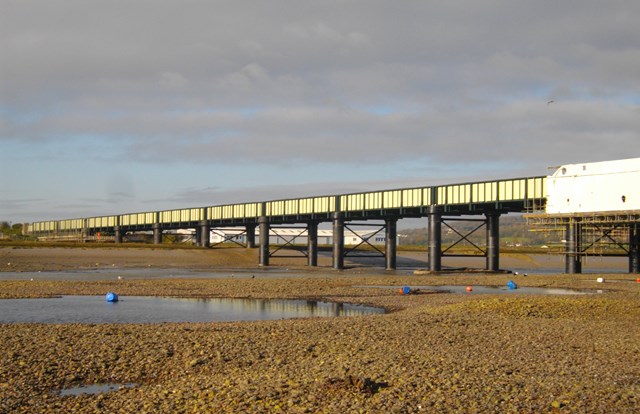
573	260
312	243
205	234
263	222
391	233
493	241
157	233
118	234
435	239
338	240
251	236
634	248
198	236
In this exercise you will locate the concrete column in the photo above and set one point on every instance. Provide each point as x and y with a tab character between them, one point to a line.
251	236
263	222
312	243
157	233
493	241
573	259
435	239
390	251
338	240
634	248
198	238
205	234
119	233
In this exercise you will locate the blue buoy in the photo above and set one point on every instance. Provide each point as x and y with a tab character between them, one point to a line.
406	290
512	285
112	297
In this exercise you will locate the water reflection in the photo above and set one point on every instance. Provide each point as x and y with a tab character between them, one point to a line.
145	309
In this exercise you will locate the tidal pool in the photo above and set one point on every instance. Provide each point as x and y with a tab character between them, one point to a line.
479	289
148	309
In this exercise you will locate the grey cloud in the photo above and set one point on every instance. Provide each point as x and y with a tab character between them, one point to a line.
326	82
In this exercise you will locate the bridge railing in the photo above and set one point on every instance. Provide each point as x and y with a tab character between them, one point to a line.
474	193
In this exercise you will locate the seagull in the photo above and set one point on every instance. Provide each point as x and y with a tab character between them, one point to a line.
550	102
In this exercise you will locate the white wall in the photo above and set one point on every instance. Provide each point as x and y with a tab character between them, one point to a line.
607	186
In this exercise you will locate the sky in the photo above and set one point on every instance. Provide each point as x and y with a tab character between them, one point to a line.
110	107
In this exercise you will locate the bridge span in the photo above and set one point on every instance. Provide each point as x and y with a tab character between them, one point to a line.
483	201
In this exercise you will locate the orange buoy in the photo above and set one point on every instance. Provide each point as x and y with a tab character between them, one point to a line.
469	288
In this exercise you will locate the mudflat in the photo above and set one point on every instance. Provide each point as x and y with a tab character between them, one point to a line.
432	352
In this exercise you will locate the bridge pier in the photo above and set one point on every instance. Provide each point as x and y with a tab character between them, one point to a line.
493	241
263	223
251	236
312	243
198	236
634	248
119	233
157	233
338	240
205	234
390	251
435	239
573	235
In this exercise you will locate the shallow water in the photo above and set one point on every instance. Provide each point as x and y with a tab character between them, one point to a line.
147	309
491	290
94	389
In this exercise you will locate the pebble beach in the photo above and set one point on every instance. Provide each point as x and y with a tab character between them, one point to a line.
431	352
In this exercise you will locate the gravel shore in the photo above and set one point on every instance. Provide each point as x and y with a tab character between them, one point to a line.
432	352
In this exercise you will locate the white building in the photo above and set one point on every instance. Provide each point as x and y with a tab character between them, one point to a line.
280	236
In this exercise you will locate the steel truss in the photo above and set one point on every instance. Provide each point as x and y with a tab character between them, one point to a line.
228	238
464	237
365	241
304	252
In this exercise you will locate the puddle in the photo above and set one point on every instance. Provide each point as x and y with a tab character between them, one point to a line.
93	389
148	309
479	289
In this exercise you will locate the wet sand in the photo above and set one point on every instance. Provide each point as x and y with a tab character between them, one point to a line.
433	352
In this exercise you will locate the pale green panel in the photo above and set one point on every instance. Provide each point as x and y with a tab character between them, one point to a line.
412	197
392	199
238	210
321	204
373	201
214	213
504	190
426	197
227	212
305	205
353	202
275	208
253	209
535	187
441	195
